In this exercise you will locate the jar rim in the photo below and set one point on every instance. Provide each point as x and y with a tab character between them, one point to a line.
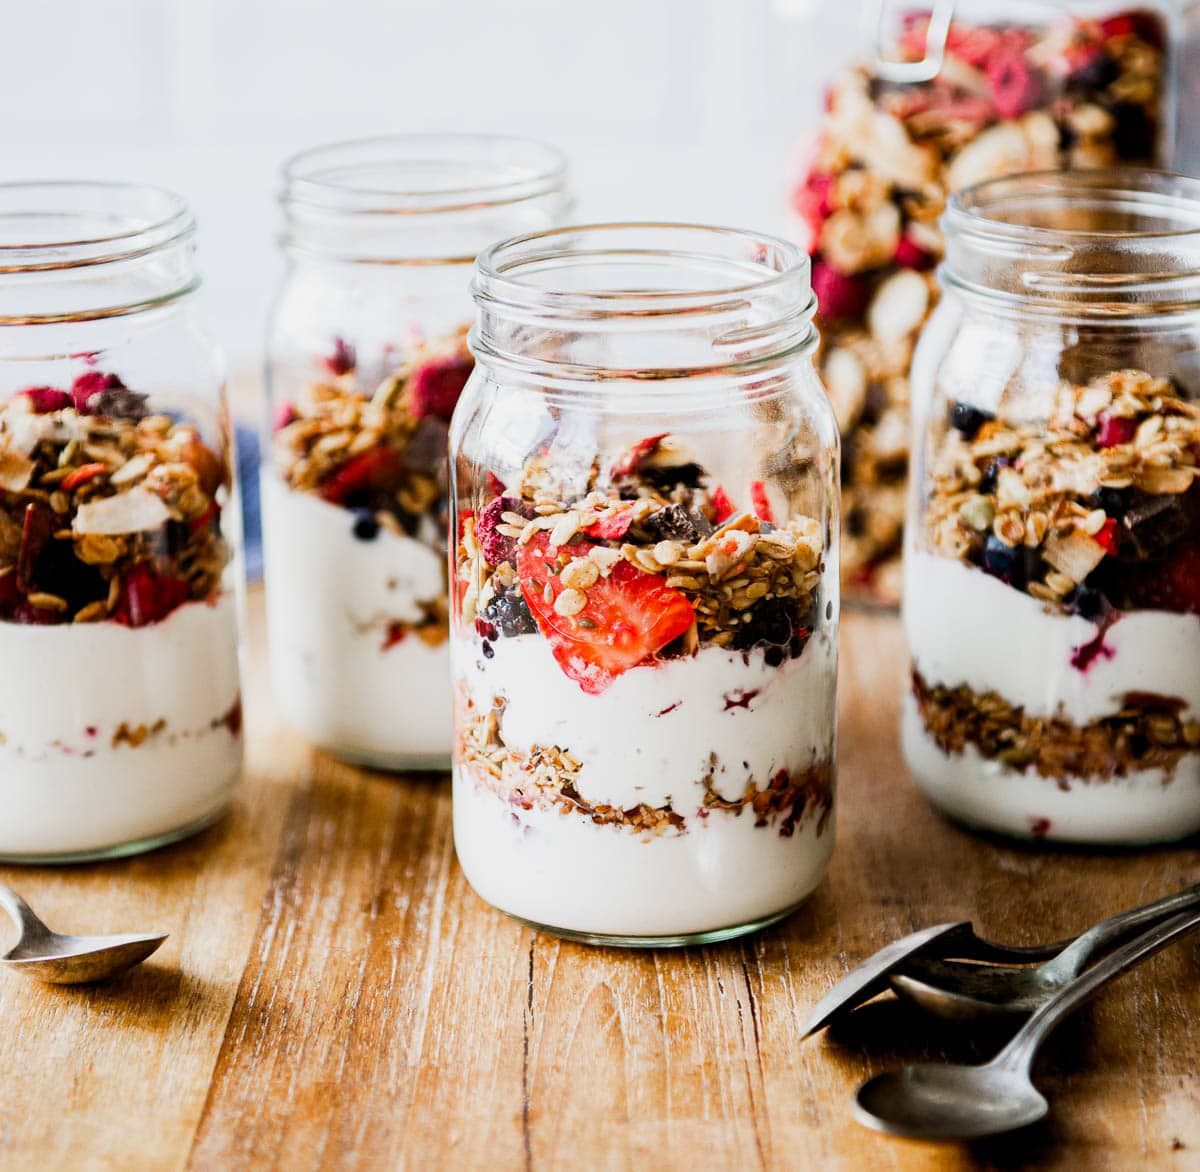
431	173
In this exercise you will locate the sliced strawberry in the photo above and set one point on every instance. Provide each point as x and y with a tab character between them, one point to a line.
371	469
148	597
45	399
36	530
760	501
612	527
722	506
632	460
436	386
1173	586
1114	430
1109	536
628	616
82	475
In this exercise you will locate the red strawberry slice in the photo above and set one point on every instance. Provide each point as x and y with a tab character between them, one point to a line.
1174	586
722	506
760	501
372	469
612	527
633	459
1114	430
628	617
436	386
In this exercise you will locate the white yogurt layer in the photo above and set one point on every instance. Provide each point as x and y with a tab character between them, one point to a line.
74	700
569	873
653	737
330	601
965	627
1148	806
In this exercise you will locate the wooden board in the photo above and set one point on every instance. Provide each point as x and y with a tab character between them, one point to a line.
334	995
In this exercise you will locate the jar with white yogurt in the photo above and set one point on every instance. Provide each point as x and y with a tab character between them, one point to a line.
120	703
1052	588
367	358
645	597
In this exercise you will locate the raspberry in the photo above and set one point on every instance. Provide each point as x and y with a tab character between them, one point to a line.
1015	88
46	399
496	546
342	359
838	296
436	386
910	255
91	383
1114	430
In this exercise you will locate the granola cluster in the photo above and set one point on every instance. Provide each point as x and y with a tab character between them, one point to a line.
547	778
378	449
107	510
1145	733
1072	93
1096	507
643	561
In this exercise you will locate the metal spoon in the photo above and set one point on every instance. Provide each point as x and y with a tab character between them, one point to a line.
946	1102
864	981
68	960
966	991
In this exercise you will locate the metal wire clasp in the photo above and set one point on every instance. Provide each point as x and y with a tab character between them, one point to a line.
935	43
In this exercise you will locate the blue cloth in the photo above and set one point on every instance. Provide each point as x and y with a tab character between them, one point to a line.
249	458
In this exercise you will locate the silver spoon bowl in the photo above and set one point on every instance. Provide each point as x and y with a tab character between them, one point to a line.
963	992
957	1102
69	960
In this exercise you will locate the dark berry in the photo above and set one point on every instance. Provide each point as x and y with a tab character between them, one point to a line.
1003	561
509	614
1134	133
773	623
968	419
435	387
366	526
1086	602
688	475
1114	501
988	483
675	523
488	650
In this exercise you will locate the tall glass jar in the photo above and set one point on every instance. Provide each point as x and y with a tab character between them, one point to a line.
1053	565
948	96
367	357
645	585
120	707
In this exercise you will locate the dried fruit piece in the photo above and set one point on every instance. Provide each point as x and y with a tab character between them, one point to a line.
82	475
911	255
38	526
434	388
342	359
611	527
625	619
1173	586
1112	430
722	506
92	382
147	597
839	296
371	469
1015	87
46	399
498	547
633	459
760	501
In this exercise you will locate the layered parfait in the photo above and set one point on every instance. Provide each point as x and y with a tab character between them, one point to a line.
644	673
1008	98
120	716
355	552
1052	609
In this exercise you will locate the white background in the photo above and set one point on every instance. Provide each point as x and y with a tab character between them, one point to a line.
673	109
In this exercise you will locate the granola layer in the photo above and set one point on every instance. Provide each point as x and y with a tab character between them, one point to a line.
1093	510
1147	732
107	510
377	449
1072	93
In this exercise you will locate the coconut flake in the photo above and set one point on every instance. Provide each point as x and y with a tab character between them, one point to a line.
898	307
15	470
136	511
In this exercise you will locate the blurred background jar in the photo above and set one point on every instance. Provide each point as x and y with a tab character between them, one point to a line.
945	98
645	585
120	706
1052	577
366	359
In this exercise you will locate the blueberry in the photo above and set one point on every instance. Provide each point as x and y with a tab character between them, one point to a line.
988	483
772	624
1113	501
1086	602
510	615
968	419
366	527
1003	561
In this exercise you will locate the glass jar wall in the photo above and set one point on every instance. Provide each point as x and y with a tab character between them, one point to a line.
120	709
946	98
645	585
367	357
1053	562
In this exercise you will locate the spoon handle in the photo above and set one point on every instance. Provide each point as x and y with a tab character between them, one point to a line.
22	914
1100	936
1021	1051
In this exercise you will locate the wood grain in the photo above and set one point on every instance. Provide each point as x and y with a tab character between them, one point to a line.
335	996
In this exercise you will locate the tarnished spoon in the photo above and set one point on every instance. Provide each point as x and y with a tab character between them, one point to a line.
966	991
68	960
935	1101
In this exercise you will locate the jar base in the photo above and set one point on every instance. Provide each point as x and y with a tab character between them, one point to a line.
391	762
139	846
711	936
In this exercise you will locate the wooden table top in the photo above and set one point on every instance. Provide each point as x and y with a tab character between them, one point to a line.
334	995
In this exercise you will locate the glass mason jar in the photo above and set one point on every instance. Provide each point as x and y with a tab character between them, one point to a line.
645	585
367	357
120	708
969	91
1053	562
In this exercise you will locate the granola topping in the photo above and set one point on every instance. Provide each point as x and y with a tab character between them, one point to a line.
1070	93
107	511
